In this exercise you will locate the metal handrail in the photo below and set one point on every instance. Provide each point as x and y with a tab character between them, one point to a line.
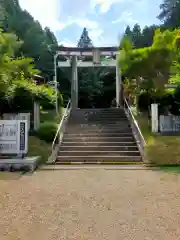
136	130
64	118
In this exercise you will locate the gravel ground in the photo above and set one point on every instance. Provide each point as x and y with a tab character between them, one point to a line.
90	204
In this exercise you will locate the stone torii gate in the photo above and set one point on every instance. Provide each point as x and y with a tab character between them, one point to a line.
72	54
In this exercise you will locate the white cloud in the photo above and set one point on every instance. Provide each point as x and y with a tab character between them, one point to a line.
94	30
105	5
46	12
96	36
59	14
86	22
67	43
126	17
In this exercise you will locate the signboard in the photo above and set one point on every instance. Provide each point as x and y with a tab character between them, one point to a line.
19	116
10	116
13	136
27	117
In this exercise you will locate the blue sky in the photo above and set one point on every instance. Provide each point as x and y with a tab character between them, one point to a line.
104	19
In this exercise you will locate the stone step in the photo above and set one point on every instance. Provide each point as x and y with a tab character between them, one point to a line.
99	153
82	115
103	114
106	120
98	139
118	166
94	125
98	144
97	159
94	113
98	148
102	123
97	130
118	123
98	134
99	111
98	119
111	128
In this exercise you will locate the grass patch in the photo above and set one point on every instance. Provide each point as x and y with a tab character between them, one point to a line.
37	147
160	150
173	169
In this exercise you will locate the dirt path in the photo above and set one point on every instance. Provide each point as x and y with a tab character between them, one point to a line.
90	205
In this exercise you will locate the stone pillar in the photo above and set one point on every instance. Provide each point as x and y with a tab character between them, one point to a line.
74	83
154	118
118	83
36	116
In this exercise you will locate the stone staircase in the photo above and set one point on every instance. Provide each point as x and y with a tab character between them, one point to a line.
98	136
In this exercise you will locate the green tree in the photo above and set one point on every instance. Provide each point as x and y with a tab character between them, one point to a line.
150	66
141	38
90	80
147	35
91	84
128	31
170	13
85	40
126	44
38	43
136	35
16	77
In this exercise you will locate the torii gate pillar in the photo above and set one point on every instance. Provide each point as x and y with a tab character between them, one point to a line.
74	83
118	84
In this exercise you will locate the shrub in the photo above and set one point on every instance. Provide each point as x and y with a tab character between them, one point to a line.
47	131
167	101
144	101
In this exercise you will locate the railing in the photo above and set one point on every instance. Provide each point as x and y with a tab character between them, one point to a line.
135	128
60	131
